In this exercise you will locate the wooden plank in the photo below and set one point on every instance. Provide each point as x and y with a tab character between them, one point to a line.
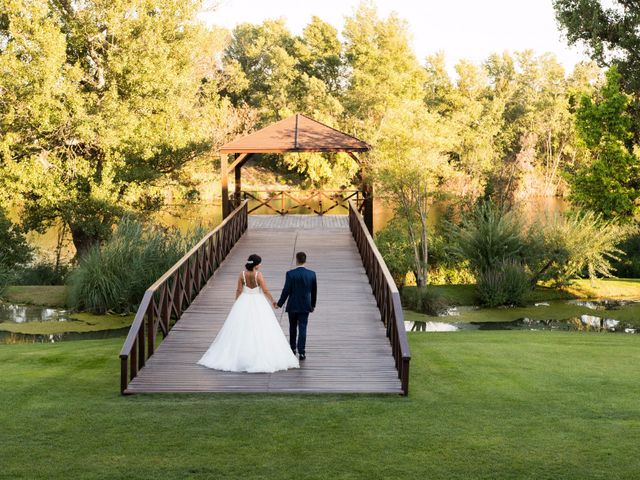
347	348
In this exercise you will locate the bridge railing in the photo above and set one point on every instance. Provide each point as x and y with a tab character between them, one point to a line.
288	201
385	292
172	293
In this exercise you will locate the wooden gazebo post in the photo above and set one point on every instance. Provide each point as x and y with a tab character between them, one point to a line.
237	183
297	133
224	183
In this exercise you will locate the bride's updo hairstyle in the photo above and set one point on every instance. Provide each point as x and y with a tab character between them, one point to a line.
252	261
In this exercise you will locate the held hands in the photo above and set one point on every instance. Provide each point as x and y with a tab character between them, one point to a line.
275	305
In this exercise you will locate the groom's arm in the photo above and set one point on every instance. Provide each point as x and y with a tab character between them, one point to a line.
314	292
286	291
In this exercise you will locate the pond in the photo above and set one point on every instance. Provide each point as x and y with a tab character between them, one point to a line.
10	338
569	315
10	312
48	325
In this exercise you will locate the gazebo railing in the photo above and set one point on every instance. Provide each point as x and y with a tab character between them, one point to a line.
288	201
174	291
386	294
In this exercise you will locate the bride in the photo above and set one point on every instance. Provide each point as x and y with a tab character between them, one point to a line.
251	339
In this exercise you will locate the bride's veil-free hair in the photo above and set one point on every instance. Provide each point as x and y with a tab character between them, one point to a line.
252	261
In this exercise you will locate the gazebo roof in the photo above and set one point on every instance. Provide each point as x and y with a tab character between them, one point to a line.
297	133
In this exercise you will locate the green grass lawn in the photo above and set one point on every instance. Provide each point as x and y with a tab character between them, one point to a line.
44	295
609	288
483	405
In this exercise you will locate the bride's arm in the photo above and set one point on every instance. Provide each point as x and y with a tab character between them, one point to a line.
263	286
239	287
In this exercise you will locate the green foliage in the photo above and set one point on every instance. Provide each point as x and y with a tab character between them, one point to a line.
394	245
610	185
6	277
628	265
488	235
562	247
609	29
504	283
423	300
556	248
383	70
41	273
410	164
444	267
14	249
113	277
100	101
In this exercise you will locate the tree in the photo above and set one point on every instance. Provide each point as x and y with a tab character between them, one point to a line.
610	29
279	74
384	71
611	34
394	245
410	163
100	102
609	185
535	138
471	116
14	249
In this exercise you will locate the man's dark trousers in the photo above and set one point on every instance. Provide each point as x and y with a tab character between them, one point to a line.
298	327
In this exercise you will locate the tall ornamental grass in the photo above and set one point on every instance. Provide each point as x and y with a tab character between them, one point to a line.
114	276
509	256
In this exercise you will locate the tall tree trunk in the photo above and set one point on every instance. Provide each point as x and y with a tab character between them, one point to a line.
424	244
82	240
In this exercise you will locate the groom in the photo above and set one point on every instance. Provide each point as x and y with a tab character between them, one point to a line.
301	289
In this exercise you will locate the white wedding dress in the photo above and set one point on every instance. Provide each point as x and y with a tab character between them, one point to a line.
251	339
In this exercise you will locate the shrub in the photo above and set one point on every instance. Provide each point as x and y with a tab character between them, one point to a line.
5	278
423	300
573	244
506	283
488	235
395	248
14	249
42	273
114	276
628	265
444	266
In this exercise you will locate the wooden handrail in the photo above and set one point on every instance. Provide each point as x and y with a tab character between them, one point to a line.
174	291
385	292
334	198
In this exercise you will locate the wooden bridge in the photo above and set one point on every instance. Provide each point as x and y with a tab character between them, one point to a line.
356	339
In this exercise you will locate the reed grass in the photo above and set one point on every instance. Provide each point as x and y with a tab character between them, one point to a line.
114	276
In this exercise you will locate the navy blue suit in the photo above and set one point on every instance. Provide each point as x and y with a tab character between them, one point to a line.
301	290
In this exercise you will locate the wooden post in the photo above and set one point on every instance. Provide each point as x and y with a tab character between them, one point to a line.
224	182
367	213
238	185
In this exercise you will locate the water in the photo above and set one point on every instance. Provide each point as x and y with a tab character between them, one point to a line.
13	313
585	323
10	312
9	338
568	315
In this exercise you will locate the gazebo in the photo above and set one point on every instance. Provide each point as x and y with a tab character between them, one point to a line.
297	133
